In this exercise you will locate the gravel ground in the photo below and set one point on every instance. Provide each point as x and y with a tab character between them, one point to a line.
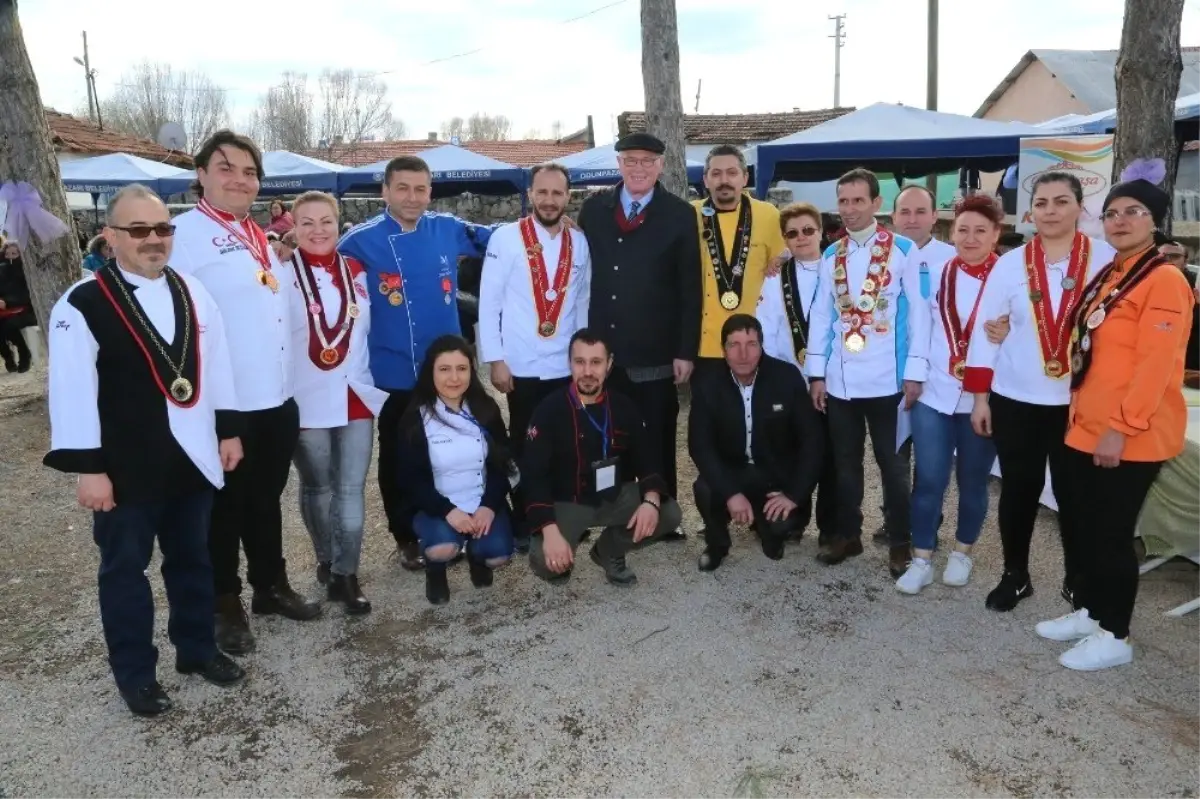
762	679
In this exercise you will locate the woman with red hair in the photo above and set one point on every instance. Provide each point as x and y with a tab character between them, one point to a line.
941	418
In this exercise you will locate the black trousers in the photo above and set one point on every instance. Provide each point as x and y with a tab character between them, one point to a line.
755	485
1104	506
396	505
527	394
849	421
246	511
1026	437
125	536
10	334
658	402
826	496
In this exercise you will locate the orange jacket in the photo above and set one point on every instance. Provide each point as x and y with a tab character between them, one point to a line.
1135	382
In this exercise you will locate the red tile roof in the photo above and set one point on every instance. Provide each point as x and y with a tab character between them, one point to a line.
73	135
519	152
735	128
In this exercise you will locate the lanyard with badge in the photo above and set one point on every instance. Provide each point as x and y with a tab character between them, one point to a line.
602	473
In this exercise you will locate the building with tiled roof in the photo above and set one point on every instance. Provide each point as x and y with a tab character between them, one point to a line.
702	132
519	152
79	138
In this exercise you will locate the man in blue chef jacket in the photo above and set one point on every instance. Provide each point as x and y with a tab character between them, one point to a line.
411	257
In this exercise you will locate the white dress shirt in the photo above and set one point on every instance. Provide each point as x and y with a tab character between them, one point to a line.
458	454
257	320
74	381
888	358
1018	370
323	394
772	313
943	391
508	318
747	403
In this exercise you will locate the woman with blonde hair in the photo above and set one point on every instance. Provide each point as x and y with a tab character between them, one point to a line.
337	398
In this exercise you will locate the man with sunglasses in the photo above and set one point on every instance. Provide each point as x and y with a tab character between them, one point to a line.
220	244
142	408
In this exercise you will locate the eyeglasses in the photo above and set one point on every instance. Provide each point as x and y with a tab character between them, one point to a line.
807	230
1132	212
643	162
164	230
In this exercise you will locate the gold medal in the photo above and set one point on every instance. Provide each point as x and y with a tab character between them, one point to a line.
384	288
329	356
960	370
839	273
181	389
845	303
272	282
801	354
353	311
547	329
855	342
868	286
866	304
261	277
877	251
396	298
1054	368
730	300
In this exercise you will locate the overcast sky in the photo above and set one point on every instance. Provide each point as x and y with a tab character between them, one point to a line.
536	68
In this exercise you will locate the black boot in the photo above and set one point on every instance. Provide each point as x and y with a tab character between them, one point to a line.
23	354
481	574
616	571
437	587
282	600
344	588
1014	586
233	628
323	572
711	558
149	700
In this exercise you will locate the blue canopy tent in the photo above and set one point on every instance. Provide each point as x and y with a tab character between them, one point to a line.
285	173
455	170
104	174
890	138
598	167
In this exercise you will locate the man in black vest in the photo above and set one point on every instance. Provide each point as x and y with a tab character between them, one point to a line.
757	443
646	290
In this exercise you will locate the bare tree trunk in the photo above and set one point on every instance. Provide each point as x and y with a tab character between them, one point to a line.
27	155
1148	70
660	82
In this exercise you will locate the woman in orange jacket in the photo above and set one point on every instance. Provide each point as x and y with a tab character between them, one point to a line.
1127	414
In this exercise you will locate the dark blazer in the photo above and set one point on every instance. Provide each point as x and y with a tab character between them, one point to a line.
787	437
13	288
646	283
416	470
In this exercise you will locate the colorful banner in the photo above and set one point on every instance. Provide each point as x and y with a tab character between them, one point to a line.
1089	158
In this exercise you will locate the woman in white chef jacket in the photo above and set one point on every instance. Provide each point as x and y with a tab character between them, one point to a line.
337	397
1022	386
943	439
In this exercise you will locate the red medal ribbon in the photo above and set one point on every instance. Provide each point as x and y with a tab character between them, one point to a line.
1051	327
548	310
881	254
344	284
957	336
250	234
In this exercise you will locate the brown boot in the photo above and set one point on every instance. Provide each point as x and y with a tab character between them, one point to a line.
281	599
899	557
411	558
837	550
232	626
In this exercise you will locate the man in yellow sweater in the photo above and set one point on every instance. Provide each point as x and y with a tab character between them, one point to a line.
739	238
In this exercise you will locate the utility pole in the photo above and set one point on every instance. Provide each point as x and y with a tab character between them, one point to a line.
699	83
89	76
931	80
839	41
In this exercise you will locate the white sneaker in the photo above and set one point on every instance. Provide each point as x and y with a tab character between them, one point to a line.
1070	627
1099	650
958	569
919	575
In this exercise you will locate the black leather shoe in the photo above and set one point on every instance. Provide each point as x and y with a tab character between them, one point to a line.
837	550
711	558
149	700
1013	587
772	545
675	535
899	557
221	670
344	588
281	600
411	558
10	366
481	574
616	571
881	536
232	626
1067	593
437	587
323	572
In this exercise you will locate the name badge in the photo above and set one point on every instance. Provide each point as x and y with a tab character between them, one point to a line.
604	476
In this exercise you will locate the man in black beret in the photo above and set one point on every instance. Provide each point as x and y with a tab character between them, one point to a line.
646	291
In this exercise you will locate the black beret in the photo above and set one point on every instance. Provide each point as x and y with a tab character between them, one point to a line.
640	141
1155	199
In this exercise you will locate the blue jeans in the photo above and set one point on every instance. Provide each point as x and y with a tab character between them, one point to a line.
496	545
936	438
333	471
125	536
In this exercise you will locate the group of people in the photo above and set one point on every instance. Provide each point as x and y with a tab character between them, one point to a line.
192	370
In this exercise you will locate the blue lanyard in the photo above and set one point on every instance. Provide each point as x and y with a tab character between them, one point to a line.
601	429
467	415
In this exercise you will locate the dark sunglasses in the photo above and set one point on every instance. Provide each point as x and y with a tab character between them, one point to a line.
792	233
163	229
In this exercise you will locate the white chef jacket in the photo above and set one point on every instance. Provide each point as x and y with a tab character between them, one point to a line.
943	391
508	319
930	261
772	313
458	454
